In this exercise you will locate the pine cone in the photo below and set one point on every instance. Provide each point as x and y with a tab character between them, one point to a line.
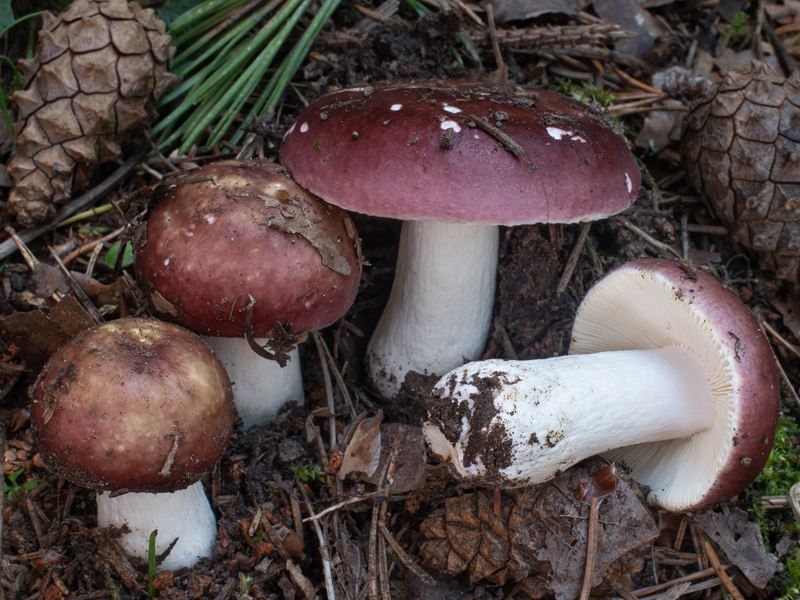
537	535
99	68
741	149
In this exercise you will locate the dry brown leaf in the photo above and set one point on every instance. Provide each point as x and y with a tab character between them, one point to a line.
39	334
518	10
740	540
364	450
409	468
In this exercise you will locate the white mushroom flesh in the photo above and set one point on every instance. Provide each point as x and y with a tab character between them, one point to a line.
439	309
642	312
185	515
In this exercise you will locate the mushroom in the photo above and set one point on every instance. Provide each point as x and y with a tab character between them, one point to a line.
237	241
143	407
454	160
669	375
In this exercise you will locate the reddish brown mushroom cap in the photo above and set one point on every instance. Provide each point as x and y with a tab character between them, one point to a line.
694	311
461	152
133	404
233	230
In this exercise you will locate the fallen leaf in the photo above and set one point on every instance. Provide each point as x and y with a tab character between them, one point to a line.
630	16
364	450
300	580
740	540
519	10
39	334
409	468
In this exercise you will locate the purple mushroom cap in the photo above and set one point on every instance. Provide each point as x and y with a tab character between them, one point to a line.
461	152
666	302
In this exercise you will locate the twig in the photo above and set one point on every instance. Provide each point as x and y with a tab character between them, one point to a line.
27	255
372	555
8	246
501	73
680	535
408	561
324	548
76	289
326	376
648	238
92	245
646	591
786	343
336	507
723	576
781	371
338	377
386	593
591	547
572	261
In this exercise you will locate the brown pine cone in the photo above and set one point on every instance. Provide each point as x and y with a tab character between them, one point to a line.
741	150
99	68
537	535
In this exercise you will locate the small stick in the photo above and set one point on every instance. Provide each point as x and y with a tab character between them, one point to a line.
786	343
76	289
723	576
372	555
661	586
326	376
572	261
502	69
591	547
470	13
636	83
337	375
648	238
324	548
92	245
335	507
624	109
407	560
685	236
383	569
29	257
680	535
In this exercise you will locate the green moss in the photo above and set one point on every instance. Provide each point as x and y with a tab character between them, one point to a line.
780	473
782	470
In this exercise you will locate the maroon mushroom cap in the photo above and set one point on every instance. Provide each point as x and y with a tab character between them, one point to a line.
133	404
463	152
653	303
237	229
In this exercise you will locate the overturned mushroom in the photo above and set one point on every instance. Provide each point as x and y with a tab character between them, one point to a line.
669	375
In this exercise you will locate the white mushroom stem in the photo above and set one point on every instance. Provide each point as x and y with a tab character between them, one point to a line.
185	515
521	422
440	305
260	386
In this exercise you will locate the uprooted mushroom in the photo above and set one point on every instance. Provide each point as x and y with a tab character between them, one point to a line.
669	374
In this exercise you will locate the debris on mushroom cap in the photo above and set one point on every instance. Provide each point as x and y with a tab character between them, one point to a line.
737	356
461	152
134	404
232	230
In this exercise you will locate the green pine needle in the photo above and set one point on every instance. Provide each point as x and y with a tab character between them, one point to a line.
226	51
